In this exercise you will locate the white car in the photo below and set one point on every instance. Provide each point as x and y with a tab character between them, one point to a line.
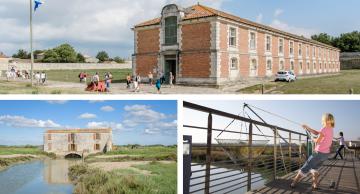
285	76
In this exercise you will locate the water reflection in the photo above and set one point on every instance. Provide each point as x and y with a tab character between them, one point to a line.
37	177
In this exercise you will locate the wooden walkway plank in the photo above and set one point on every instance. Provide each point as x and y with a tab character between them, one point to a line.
345	173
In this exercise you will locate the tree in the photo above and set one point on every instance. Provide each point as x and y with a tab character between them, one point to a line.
102	56
324	38
51	56
66	53
348	42
80	58
119	60
21	54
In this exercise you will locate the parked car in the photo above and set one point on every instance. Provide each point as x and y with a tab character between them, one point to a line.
285	76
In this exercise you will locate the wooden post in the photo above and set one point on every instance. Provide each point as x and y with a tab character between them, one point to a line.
262	89
275	154
290	152
250	156
208	155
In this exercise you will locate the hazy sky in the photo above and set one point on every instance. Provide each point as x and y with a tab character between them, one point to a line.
307	112
93	25
141	122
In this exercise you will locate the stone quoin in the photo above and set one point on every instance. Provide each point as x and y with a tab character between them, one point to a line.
204	46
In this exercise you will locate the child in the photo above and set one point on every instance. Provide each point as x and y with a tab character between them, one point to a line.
342	145
322	150
158	85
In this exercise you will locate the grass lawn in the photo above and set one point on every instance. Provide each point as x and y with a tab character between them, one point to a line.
33	150
26	88
119	75
162	180
333	84
148	153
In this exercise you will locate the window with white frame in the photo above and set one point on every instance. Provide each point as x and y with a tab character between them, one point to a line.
292	66
252	40
300	65
282	66
268	43
320	66
253	66
232	36
314	51
291	48
314	66
234	63
281	46
269	65
307	51
300	49
325	65
308	65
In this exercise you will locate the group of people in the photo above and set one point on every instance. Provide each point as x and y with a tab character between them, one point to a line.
134	82
323	143
40	77
96	84
13	73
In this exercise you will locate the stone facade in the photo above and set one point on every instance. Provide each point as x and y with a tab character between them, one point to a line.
77	141
214	48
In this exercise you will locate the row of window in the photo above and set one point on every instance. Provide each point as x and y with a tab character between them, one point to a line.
234	65
322	53
71	137
73	147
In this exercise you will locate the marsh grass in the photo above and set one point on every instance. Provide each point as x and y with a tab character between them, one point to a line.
162	180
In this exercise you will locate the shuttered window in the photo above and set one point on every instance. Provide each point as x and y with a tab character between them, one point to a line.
171	30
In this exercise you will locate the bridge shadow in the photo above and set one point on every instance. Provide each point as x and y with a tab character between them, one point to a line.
73	156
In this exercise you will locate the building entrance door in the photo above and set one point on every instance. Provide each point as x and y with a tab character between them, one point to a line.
170	66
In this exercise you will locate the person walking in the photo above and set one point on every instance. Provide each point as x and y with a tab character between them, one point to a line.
158	86
341	145
171	80
151	77
43	77
128	81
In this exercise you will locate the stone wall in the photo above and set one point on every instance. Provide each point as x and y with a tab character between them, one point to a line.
65	66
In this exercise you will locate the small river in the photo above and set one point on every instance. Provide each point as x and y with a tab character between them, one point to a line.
37	177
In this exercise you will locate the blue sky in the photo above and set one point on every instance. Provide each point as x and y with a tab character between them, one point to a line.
306	112
93	25
141	122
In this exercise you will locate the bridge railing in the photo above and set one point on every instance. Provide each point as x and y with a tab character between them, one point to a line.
241	163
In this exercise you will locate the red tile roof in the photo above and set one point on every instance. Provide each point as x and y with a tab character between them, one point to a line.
79	131
201	11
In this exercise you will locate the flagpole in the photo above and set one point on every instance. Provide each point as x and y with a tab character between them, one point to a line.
31	42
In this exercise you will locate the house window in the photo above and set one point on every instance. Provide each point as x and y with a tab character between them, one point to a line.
281	46
171	30
291	48
301	65
282	66
97	136
320	66
307	51
71	137
325	65
253	66
308	65
252	40
314	51
97	146
72	147
292	66
232	37
300	49
268	43
314	66
49	136
269	65
49	146
234	63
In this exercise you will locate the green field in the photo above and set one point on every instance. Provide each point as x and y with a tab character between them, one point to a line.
162	179
332	84
26	88
9	150
119	75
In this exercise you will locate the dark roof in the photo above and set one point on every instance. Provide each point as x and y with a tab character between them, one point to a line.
201	11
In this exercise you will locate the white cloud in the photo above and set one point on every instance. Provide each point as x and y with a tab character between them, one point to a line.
293	29
109	23
87	116
105	124
57	101
107	108
278	12
20	121
143	113
259	18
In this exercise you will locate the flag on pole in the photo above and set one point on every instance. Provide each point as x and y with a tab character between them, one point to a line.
37	4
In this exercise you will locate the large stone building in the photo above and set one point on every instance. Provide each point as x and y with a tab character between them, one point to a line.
201	45
77	141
